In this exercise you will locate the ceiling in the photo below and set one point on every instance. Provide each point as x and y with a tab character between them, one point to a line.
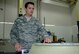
71	2
65	1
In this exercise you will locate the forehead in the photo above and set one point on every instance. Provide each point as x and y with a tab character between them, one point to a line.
30	5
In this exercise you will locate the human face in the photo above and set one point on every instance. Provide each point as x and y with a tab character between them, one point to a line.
29	10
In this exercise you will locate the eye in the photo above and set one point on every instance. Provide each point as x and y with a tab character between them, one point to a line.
29	8
33	8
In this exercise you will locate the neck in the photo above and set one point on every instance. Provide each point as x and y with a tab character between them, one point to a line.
28	15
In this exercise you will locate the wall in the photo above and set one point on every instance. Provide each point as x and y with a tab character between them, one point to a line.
75	18
10	14
1	17
61	19
56	15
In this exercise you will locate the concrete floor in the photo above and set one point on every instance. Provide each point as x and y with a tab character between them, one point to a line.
7	47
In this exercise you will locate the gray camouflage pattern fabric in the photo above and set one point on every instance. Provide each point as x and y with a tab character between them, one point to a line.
27	32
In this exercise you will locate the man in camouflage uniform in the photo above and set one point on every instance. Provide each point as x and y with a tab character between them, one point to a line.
27	30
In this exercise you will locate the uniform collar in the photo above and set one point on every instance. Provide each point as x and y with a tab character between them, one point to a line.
25	17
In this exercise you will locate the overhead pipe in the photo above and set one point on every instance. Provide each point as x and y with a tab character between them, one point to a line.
38	9
77	12
77	6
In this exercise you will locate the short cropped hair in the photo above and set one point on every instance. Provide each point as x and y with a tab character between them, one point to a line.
26	4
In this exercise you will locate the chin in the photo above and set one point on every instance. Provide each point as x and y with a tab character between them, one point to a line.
30	14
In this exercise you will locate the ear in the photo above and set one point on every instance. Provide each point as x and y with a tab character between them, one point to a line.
25	9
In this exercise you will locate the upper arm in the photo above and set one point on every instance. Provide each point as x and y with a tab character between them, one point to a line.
14	32
41	30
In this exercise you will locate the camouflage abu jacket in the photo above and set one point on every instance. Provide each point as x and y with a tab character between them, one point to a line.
27	32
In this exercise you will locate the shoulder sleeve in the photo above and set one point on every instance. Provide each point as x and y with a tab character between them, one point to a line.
14	35
41	30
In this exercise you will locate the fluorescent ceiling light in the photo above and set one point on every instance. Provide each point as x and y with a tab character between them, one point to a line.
13	23
6	23
48	25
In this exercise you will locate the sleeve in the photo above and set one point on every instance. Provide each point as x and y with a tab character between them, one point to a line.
42	31
14	34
